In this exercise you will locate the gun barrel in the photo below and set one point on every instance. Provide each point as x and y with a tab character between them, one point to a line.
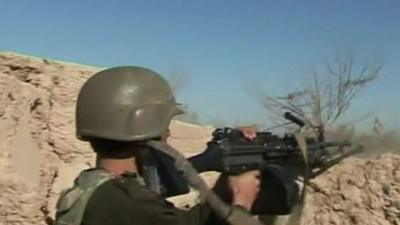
337	143
319	145
336	160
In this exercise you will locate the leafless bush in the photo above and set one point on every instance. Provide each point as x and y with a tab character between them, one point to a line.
328	96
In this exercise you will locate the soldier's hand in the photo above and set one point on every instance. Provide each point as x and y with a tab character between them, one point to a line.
249	132
245	188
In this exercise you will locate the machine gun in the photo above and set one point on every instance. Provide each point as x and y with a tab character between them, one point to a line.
281	160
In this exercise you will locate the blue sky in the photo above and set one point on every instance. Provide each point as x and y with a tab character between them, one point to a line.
221	47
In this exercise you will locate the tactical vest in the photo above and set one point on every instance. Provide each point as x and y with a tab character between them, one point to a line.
72	202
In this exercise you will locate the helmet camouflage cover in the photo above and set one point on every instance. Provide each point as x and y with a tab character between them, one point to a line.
125	104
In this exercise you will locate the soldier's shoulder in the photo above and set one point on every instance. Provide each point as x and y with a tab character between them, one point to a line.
126	185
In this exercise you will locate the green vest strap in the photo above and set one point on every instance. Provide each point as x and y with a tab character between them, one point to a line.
72	202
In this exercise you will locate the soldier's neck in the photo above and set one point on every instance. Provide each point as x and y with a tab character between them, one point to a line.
117	166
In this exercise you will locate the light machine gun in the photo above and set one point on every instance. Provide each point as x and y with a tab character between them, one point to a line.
281	160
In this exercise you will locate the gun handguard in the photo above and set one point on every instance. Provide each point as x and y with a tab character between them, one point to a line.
230	152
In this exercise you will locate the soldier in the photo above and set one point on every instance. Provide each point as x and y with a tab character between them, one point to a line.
118	111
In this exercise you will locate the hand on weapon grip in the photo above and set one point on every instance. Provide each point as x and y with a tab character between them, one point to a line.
249	132
245	188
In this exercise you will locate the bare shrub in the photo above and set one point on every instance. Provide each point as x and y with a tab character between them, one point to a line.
328	96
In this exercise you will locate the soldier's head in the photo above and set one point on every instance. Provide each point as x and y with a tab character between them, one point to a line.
124	106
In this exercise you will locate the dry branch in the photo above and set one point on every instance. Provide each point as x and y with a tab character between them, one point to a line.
328	96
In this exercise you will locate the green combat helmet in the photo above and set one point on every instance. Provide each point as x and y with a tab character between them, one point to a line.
125	104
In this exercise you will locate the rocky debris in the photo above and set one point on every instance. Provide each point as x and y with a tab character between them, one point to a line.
18	203
36	131
357	191
40	156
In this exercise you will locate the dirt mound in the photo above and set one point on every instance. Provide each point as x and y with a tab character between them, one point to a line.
39	154
36	139
358	191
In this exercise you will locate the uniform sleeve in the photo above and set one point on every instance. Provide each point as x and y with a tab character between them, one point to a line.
126	202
